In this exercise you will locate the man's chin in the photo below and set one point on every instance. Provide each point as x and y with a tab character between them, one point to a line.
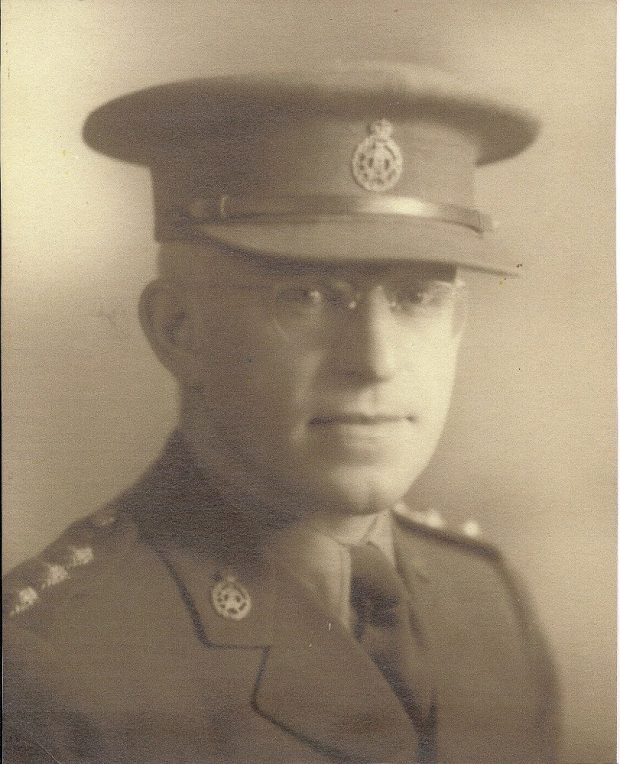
361	491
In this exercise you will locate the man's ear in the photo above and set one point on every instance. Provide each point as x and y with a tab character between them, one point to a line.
167	322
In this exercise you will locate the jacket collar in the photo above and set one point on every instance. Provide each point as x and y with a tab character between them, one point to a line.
316	681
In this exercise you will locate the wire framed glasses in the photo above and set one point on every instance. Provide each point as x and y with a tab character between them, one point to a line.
309	306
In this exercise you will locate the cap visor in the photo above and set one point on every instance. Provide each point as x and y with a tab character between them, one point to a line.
354	240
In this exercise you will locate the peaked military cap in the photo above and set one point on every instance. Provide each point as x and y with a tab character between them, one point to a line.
361	161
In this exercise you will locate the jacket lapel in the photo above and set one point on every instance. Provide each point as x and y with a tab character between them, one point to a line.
319	684
316	681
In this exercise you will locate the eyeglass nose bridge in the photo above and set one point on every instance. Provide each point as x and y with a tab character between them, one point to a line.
350	297
350	300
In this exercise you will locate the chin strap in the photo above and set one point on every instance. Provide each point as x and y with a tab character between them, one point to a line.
263	208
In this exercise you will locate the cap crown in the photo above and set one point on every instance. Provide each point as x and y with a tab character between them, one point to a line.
283	163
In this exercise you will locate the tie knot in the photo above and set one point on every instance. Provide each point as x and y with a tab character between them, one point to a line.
375	584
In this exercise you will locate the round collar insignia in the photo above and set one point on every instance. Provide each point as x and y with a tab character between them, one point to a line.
230	599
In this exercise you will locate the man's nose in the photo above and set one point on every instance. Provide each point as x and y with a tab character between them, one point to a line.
366	347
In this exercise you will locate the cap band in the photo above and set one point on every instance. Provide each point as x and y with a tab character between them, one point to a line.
254	207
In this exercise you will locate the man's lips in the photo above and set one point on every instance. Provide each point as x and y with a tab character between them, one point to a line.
327	420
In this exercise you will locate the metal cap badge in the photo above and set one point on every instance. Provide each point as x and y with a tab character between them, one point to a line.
377	162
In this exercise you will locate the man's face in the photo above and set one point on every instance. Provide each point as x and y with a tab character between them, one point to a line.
330	382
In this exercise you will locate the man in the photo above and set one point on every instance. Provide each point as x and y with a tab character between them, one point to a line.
263	594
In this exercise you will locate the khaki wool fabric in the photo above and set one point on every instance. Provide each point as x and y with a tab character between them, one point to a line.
127	660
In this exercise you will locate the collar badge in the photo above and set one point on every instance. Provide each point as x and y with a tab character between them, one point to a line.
377	162
230	599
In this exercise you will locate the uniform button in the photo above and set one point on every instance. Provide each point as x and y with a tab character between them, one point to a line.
231	599
434	519
419	517
471	529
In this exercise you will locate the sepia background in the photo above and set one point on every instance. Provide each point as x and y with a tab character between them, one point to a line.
529	451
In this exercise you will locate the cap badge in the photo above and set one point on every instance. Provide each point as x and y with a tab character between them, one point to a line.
230	599
377	163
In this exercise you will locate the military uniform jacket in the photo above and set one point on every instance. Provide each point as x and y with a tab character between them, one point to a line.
114	651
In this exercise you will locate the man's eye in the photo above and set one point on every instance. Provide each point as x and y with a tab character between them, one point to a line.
302	298
421	296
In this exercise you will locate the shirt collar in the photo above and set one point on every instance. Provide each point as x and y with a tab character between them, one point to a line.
316	554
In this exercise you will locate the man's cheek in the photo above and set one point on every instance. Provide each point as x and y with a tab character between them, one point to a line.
253	399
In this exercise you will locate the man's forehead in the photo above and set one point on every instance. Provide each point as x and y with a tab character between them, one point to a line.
218	262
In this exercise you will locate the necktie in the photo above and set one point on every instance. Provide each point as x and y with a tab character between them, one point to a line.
387	631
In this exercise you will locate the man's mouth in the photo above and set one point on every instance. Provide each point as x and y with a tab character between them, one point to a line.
359	419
